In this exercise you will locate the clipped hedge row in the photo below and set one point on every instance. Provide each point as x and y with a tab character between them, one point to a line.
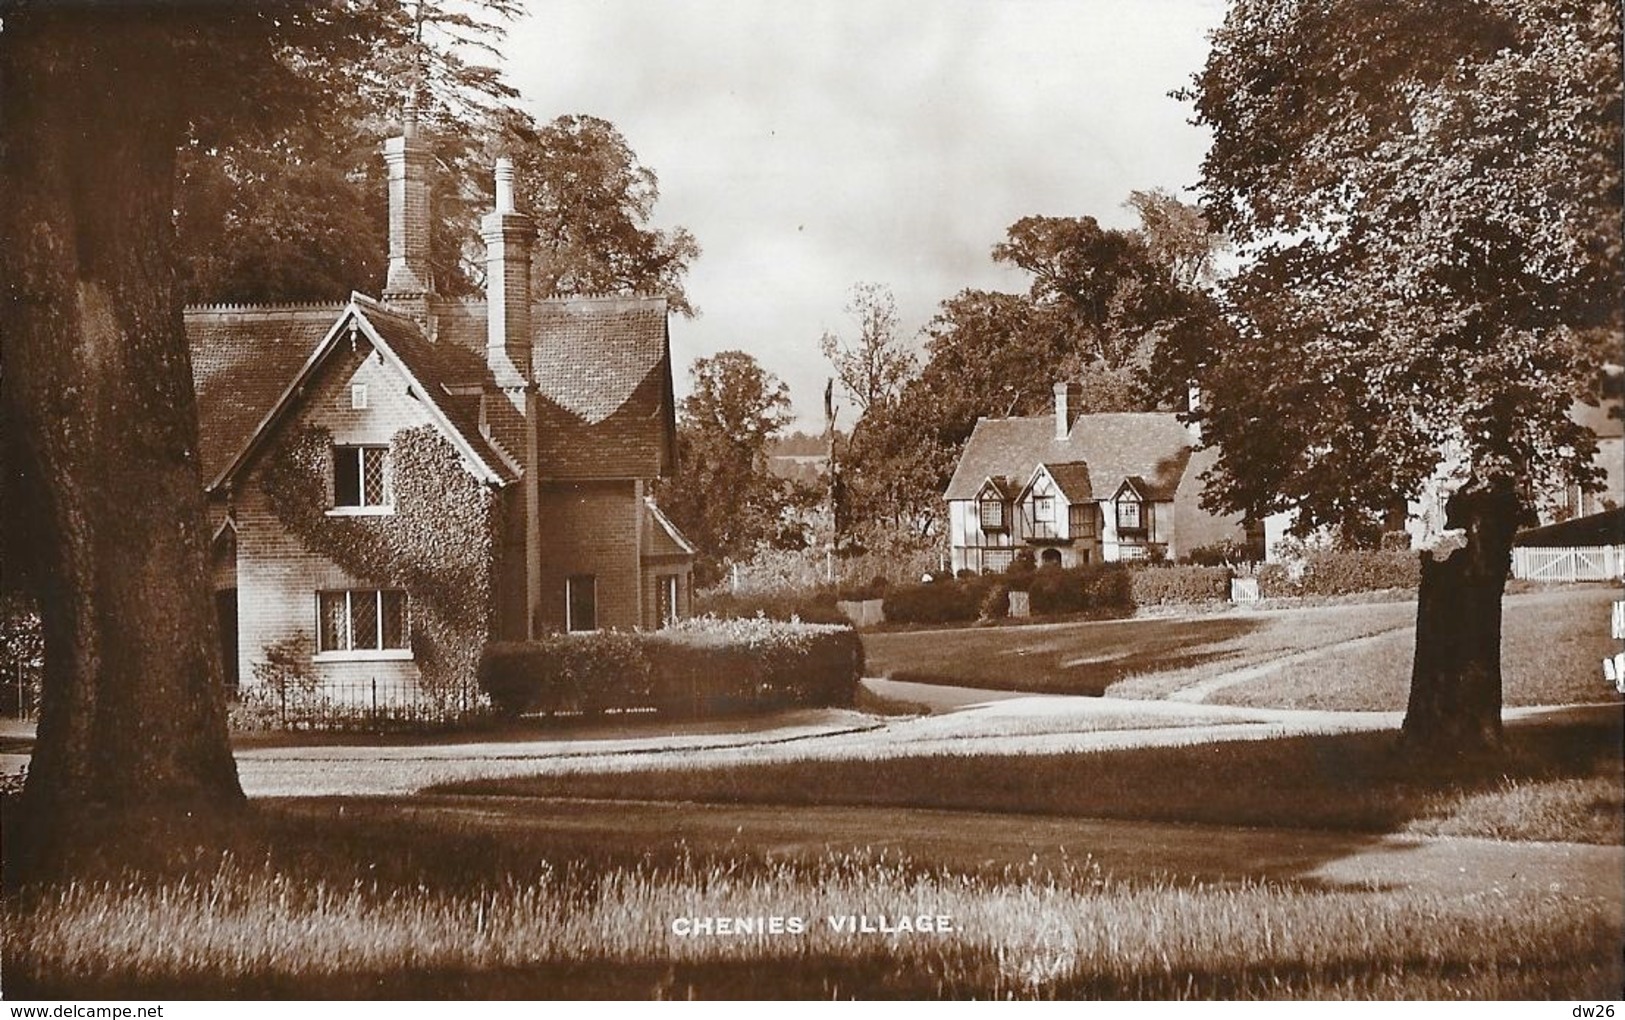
699	667
1103	590
815	606
1339	572
1162	586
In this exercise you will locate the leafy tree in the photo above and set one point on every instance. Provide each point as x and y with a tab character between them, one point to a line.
103	501
723	496
872	368
1427	201
592	200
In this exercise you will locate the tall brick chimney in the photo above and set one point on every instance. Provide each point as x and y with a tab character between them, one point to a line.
407	156
1068	402
507	234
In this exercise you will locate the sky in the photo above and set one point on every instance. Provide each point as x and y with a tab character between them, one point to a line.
812	146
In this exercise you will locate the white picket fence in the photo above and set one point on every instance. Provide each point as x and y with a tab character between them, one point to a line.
1592	563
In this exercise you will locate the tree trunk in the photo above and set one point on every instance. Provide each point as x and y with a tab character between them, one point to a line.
1455	700
101	422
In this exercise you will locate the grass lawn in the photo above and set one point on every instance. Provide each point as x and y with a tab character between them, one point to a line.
335	901
1561	781
1552	646
1086	658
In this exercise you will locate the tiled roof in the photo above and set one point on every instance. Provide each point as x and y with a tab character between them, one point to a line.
440	368
1073	478
602	365
603	372
591	355
660	536
1152	445
242	360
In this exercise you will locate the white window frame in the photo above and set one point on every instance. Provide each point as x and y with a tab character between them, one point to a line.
364	451
1125	501
349	653
1043	509
1003	523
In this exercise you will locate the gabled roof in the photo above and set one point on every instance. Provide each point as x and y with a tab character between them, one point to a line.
660	535
429	369
1072	478
626	338
602	366
1002	488
242	359
1153	445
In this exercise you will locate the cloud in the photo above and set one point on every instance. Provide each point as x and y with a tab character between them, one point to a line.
812	146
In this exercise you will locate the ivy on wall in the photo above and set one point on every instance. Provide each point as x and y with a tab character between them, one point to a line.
439	544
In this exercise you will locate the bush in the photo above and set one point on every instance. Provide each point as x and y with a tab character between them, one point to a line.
942	601
1162	586
816	605
1222	553
704	666
1102	590
995	604
1323	572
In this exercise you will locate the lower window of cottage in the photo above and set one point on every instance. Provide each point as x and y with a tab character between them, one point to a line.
362	620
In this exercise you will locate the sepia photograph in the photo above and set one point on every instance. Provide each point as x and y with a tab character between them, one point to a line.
935	500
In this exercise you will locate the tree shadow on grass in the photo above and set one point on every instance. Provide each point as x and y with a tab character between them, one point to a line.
1082	661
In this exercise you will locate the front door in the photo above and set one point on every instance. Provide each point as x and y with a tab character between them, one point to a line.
225	616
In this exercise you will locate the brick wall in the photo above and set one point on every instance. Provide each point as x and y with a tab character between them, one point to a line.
592	528
277	577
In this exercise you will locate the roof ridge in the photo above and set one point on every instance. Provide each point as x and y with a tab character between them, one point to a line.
234	308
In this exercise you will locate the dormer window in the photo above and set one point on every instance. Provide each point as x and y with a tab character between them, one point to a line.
361	479
993	514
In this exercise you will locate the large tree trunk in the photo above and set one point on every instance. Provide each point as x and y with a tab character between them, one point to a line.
101	422
1455	701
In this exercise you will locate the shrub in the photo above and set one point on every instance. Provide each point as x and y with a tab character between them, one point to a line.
1323	572
1161	586
938	602
703	666
995	604
1222	553
816	605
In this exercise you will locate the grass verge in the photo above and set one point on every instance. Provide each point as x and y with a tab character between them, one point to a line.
227	927
1559	781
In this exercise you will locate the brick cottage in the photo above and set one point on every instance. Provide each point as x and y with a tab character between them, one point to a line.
394	482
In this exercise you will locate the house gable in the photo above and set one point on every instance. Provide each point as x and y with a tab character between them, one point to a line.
366	328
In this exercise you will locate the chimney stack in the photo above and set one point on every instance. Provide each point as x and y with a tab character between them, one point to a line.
408	159
507	234
1068	401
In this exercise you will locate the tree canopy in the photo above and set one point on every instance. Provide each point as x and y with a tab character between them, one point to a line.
723	496
1427	206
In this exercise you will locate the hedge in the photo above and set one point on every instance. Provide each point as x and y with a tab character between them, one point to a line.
1337	572
1161	586
1101	590
817	606
698	667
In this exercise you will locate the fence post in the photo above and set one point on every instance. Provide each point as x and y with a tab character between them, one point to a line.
375	697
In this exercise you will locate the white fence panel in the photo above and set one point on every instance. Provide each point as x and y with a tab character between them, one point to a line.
1590	563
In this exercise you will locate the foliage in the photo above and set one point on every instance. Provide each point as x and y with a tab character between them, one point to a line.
1225	552
285	667
1340	572
592	200
1429	204
873	368
22	652
814	604
698	667
397	706
723	495
1175	585
1099	590
298	212
438	544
